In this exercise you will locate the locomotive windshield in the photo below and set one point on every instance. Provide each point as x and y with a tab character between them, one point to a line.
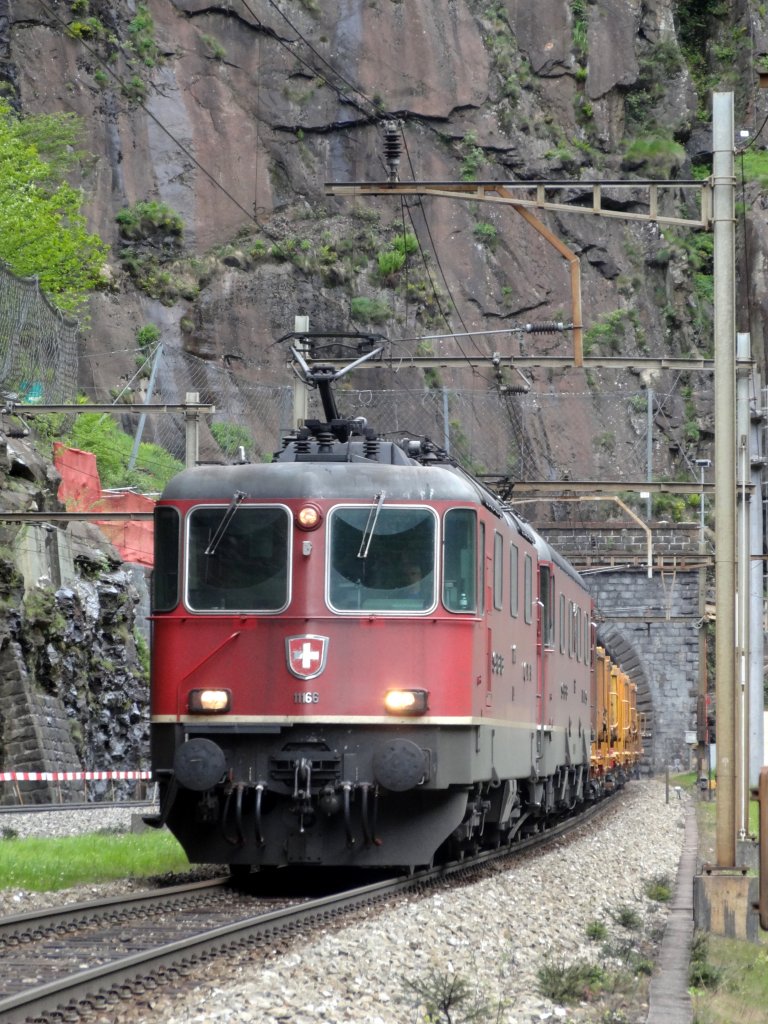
382	559
246	568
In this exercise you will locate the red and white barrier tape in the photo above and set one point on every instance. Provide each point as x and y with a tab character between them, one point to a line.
70	776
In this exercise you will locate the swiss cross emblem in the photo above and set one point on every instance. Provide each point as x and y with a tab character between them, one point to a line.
306	655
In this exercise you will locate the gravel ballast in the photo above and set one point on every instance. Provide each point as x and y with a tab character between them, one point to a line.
492	936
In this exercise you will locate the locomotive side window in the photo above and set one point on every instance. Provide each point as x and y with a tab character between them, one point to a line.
165	578
238	559
382	559
514	582
528	590
498	570
459	560
547	598
481	571
562	623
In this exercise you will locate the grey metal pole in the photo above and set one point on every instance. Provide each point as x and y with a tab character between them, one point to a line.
191	430
743	547
147	400
756	593
701	507
446	423
723	187
300	389
649	451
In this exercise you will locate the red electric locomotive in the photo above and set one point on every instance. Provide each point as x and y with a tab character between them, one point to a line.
361	656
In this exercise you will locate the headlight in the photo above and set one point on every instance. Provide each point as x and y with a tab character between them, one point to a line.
406	702
308	517
209	702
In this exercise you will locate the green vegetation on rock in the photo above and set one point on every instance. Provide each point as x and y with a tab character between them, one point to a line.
100	434
42	231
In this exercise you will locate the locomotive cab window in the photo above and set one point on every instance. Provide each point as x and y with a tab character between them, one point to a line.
238	558
165	578
382	558
459	560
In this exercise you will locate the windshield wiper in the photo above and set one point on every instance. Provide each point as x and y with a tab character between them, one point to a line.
370	526
226	519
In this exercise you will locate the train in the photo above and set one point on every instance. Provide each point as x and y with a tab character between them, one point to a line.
362	656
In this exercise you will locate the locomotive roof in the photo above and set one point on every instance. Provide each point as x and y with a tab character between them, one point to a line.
351	480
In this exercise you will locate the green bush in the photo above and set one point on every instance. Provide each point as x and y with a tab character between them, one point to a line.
473	157
485	233
568	983
596	931
42	232
141	32
627	917
659	888
148	219
374	311
231	436
90	28
655	156
390	262
147	336
447	996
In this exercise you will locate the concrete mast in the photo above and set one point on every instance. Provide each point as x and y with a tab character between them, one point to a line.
725	471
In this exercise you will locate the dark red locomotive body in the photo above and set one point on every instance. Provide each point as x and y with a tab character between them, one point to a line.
360	656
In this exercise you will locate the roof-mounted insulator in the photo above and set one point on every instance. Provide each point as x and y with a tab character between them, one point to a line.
392	149
545	327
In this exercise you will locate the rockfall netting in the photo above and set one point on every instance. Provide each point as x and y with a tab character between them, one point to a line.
38	345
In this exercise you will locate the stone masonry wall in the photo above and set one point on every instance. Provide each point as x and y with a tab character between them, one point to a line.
661	654
651	627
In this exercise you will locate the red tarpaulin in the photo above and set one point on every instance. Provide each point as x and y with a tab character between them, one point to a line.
80	491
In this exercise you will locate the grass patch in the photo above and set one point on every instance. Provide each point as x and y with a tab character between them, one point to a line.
729	981
46	865
569	983
627	917
659	888
596	931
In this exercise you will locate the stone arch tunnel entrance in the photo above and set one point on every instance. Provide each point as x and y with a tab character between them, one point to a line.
650	626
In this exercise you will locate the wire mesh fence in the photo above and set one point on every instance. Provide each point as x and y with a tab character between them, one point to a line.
541	434
38	344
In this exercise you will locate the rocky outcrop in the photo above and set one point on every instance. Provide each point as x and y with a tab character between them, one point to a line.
73	667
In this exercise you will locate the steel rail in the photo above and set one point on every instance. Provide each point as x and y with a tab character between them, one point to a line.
42	920
99	805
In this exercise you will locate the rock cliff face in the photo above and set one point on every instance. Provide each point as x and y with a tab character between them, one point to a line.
235	116
227	118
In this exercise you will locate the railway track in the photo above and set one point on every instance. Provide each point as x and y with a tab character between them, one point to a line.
66	963
94	805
